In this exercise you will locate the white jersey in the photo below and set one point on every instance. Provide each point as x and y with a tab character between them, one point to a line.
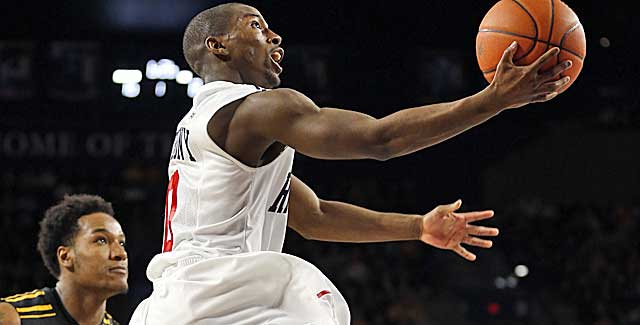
224	230
217	205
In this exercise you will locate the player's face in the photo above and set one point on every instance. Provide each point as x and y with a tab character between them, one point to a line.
100	258
254	49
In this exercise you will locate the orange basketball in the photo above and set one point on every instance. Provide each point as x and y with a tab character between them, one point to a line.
537	26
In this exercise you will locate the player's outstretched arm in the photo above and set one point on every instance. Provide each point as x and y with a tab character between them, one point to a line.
289	117
8	315
443	227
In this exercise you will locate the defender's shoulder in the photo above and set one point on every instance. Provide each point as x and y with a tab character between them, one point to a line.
27	298
8	314
32	304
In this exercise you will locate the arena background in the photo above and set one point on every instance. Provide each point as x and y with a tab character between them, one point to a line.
562	176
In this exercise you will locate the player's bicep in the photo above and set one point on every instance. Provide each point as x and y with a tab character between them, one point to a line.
304	207
8	314
326	133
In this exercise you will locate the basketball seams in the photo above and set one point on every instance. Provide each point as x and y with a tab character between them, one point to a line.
515	36
535	25
553	18
573	54
539	40
486	30
564	37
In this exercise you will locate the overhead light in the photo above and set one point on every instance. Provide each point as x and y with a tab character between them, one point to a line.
130	90
125	76
521	271
184	77
151	70
161	88
167	69
193	86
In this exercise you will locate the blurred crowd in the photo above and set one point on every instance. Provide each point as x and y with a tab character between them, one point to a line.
586	256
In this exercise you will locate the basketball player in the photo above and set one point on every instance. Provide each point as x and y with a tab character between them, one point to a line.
232	194
82	245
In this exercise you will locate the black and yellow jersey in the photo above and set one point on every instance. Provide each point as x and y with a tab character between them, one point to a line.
44	307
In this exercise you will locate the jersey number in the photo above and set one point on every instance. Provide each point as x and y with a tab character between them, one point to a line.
170	210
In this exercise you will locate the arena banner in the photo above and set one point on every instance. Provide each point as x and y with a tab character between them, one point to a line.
17	145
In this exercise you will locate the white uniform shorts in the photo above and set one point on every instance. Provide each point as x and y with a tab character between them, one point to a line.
249	288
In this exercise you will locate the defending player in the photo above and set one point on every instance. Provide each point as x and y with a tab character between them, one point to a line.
82	245
231	181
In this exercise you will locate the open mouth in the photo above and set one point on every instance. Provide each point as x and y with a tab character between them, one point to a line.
276	56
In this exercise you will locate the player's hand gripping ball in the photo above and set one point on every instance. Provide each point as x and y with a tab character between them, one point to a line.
537	26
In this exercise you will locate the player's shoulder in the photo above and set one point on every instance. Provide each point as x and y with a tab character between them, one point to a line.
8	314
281	100
28	298
34	304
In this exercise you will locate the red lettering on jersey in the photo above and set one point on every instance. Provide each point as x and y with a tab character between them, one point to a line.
169	211
322	293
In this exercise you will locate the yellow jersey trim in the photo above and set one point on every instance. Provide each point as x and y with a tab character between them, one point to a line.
38	316
21	294
24	296
34	308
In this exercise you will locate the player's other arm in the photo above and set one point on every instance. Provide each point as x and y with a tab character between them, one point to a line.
289	117
335	221
442	227
8	314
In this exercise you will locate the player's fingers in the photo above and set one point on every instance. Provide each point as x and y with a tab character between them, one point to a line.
450	207
482	231
544	97
544	58
476	215
509	52
474	241
555	71
553	86
464	253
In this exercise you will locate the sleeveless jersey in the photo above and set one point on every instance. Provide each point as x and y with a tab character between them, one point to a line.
44	307
216	205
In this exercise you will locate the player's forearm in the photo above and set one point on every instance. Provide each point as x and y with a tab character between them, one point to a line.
342	222
416	128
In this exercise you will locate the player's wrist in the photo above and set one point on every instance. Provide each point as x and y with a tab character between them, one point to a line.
419	228
489	101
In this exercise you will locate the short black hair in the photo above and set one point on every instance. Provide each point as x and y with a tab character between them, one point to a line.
60	225
214	21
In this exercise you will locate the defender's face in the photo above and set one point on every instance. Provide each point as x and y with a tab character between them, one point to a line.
100	258
255	49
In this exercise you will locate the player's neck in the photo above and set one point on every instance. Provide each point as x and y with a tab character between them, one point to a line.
86	306
221	72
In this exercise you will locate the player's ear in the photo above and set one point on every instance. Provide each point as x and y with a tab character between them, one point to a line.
215	46
66	257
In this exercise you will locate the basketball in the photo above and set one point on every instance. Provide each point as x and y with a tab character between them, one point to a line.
537	26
